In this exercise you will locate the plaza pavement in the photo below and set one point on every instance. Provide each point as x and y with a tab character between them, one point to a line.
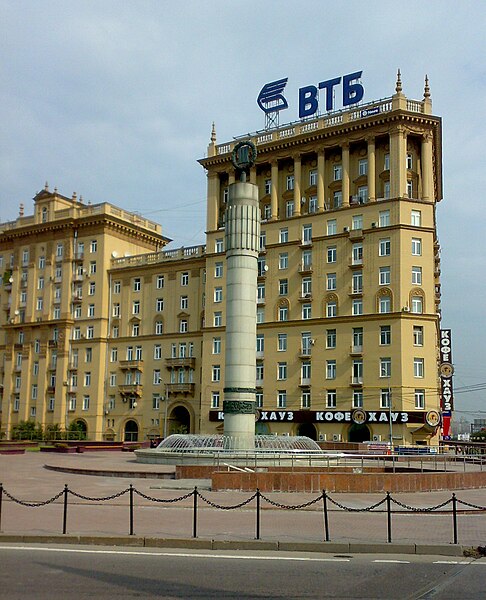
26	478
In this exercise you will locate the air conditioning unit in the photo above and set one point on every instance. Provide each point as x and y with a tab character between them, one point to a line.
336	437
322	437
377	438
406	309
374	225
345	229
312	342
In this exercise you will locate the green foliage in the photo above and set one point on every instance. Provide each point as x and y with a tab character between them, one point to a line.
27	430
479	436
76	431
6	276
53	432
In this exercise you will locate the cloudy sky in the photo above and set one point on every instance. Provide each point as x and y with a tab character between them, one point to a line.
114	100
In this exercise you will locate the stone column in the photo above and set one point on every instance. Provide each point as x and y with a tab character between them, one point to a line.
371	170
297	183
213	202
398	162
274	194
320	181
427	169
345	164
242	241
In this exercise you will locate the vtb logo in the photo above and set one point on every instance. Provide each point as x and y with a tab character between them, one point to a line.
271	99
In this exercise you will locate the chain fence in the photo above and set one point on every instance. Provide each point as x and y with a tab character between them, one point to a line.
388	506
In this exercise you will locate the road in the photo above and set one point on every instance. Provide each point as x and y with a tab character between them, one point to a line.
46	572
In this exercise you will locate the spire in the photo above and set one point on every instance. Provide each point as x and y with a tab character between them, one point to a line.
213	134
398	87
21	210
212	143
46	187
426	88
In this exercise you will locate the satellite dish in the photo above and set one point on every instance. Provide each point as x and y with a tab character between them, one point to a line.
114	254
16	312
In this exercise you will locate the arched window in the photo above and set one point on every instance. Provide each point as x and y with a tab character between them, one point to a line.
384	300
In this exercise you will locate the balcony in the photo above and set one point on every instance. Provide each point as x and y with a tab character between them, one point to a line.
78	256
356	380
131	364
77	298
307	297
355	263
305	352
182	361
181	388
305	243
131	389
305	268
356	235
305	382
356	350
355	291
52	343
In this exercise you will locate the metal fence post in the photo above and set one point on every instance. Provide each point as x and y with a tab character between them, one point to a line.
64	517
257	514
388	510
1	495
131	509
194	515
326	522
454	517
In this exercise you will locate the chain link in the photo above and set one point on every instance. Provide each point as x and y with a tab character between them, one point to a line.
162	500
214	505
101	498
291	506
471	505
351	509
418	509
33	504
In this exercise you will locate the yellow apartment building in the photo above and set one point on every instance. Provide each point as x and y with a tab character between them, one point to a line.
103	326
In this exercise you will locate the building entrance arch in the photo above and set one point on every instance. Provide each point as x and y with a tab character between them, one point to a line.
131	431
359	432
307	429
179	420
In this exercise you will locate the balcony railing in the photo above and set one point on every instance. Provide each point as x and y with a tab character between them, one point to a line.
130	389
181	388
186	361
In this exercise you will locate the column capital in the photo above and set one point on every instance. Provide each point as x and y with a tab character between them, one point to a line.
344	145
427	136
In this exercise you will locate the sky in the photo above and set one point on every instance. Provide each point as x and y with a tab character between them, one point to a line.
114	100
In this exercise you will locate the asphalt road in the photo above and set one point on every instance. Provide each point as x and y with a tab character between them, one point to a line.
46	572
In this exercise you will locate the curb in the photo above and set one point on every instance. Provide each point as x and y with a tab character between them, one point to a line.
253	545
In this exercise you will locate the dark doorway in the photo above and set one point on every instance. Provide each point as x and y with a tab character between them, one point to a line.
308	430
131	431
359	433
180	420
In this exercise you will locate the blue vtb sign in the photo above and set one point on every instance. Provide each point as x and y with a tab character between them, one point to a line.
271	99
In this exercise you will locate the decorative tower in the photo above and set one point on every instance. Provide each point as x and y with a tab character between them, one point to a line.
242	233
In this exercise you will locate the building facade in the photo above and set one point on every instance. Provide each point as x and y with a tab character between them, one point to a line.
348	298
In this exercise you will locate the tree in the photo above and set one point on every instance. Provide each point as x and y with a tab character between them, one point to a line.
27	430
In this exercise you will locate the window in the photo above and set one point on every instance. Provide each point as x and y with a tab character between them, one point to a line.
39	304
159	304
305	372
357	254
289	208
337	172
268	186
385	398
419	399
290	182
357	282
267	212
410	189
417	305
159	328
114	355
283	235
416	247
305	343
357	371
306	260
155	402
185	278
93	247
385	304
416	218
159	282
259	399
357	398
115	331
91	310
331	338
331	309
217	319
215	396
219	245
282	371
330	369
216	345
386	190
307	311
306	287
418	367
417	275
92	267
418	335
331	281
225	195
112	379
40	283
260	315
87	378
260	292
305	399
42	262
137	284
409	162
218	294
183	326
312	177
259	374
135	329
77	311
59	250
216	373
357	339
92	288
384	247
357	307
385	367
283	287
331	254
362	194
88	356
157	351
307	233
262	240
33	393
218	269
312	204
385	335
156	377
283	260
331	399
136	307
384	218
184	302
283	313
260	343
357	222
282	342
384	276
363	167
331	227
182	350
386	165
90	332
337	199
282	399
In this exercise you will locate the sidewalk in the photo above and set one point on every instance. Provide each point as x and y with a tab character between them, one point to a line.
161	523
